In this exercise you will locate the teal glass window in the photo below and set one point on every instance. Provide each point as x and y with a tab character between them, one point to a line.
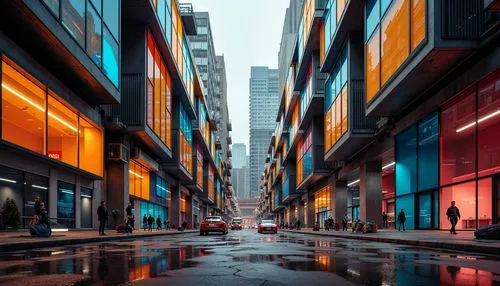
384	5
406	161
424	210
53	6
372	16
110	58
94	36
408	204
112	16
73	18
428	152
161	14
66	204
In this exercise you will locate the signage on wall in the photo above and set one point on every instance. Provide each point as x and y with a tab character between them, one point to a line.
56	155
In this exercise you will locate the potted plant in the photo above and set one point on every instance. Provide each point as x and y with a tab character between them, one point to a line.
10	214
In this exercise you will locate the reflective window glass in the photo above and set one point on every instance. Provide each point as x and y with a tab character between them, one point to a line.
23	110
428	150
110	55
464	196
373	65
91	147
112	16
94	36
63	133
408	204
372	16
424	211
66	204
73	18
53	6
406	161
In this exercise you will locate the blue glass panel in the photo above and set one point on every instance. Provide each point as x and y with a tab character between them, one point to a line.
424	210
328	94
355	213
110	57
53	5
333	17
307	163
428	148
66	204
384	4
285	190
406	161
98	5
372	16
161	13
338	85
408	204
328	32
343	61
112	16
299	40
168	24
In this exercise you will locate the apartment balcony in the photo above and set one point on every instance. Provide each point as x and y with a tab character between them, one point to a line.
441	35
229	139
229	126
229	152
39	30
187	15
288	189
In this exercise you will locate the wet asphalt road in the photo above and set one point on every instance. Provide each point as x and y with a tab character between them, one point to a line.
246	258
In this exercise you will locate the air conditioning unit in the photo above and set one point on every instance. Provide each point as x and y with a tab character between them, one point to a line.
118	152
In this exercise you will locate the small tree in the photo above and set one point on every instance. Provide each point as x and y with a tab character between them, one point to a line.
10	213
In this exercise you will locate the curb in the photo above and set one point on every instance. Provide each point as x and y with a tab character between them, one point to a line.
485	249
71	241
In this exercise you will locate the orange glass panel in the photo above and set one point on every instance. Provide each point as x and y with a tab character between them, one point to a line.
151	52
62	132
417	23
145	183
150	103
322	43
157	100
344	109
373	65
338	118
333	123
91	147
328	131
395	38
485	202
23	110
340	8
163	104
131	178
169	110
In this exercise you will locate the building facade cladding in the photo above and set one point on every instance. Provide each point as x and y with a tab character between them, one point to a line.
240	182
263	107
239	155
418	167
51	136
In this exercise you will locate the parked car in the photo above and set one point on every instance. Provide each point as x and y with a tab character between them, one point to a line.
267	225
488	232
213	224
236	224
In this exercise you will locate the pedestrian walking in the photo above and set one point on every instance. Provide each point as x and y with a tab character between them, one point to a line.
102	216
384	219
344	223
165	224
158	223
145	222
298	224
453	214
151	220
401	219
128	211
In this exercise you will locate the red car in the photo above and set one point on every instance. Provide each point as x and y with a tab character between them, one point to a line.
267	225
236	224
213	224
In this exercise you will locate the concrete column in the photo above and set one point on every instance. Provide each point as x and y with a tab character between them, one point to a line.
340	199
175	206
78	203
311	216
52	195
117	190
189	211
370	192
301	212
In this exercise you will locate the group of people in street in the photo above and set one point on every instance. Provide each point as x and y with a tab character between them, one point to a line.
295	225
452	213
149	221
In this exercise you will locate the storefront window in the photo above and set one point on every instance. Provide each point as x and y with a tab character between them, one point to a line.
91	147
322	203
23	110
465	197
485	202
407	203
86	208
428	149
139	180
66	204
63	133
154	210
488	120
406	161
424	211
458	140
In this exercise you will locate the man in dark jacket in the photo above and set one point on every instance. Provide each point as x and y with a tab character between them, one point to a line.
453	215
102	216
151	220
401	219
385	220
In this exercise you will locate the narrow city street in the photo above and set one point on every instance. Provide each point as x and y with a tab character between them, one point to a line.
246	258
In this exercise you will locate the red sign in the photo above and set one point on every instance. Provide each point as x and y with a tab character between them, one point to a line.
57	155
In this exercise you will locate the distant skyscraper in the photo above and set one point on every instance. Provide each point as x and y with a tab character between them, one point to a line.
239	155
264	97
241	182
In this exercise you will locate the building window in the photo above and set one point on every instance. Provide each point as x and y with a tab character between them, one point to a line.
94	35
407	203
322	202
66	204
211	184
73	18
199	166
353	203
154	210
428	149
111	11
406	161
85	208
24	123
159	94
62	132
23	110
110	57
139	180
304	156
161	190
53	6
394	30
185	139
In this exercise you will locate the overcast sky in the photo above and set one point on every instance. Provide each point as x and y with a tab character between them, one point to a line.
248	33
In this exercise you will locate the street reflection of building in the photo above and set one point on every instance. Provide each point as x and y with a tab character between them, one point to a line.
356	115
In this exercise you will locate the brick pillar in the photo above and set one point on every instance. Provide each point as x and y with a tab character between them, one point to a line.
370	192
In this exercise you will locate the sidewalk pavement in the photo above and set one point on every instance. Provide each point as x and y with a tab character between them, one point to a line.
463	241
21	240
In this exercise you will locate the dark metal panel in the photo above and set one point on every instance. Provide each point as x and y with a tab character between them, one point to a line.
359	122
132	109
462	19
